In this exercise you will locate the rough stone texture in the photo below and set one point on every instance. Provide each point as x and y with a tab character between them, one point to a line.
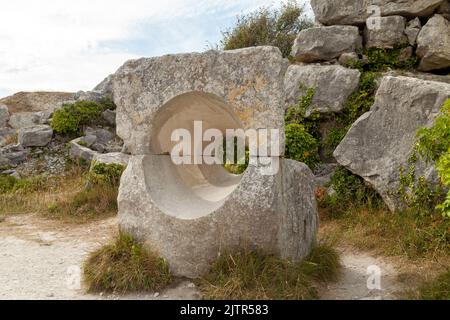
79	152
433	44
89	96
248	82
4	115
325	43
6	136
189	213
346	59
110	117
444	9
391	33
36	101
13	155
105	87
412	30
37	136
355	12
381	140
114	157
333	85
26	119
275	213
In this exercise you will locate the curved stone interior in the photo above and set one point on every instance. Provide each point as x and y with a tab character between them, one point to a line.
188	191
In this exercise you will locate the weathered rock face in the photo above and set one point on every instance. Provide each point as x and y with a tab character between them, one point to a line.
391	33
4	115
381	140
412	30
77	151
28	119
333	85
190	212
36	101
36	136
13	154
113	157
325	43
249	83
433	44
356	12
275	213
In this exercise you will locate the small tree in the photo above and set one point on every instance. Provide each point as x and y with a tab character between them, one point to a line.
268	26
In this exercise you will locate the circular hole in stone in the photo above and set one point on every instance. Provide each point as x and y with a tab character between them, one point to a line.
189	191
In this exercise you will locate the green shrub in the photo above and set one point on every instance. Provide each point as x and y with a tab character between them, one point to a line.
300	145
350	191
72	117
7	183
249	275
268	26
105	173
432	144
125	266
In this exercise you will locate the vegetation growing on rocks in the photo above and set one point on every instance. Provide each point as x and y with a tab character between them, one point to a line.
125	266
70	119
268	26
250	275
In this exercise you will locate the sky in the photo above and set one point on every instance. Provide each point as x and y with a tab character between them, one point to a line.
66	45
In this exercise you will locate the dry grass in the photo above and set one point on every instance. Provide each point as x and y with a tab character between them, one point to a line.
251	275
60	197
124	266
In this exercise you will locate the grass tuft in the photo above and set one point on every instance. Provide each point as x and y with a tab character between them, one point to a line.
253	275
125	266
437	289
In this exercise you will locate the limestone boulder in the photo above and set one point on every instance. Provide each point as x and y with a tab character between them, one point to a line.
36	136
7	135
380	142
13	155
246	87
110	117
4	115
113	157
389	34
356	12
325	43
37	101
412	30
79	152
332	86
190	224
433	44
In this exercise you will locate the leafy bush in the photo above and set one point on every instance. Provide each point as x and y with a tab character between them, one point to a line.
105	173
125	266
250	275
433	144
268	26
300	145
71	118
350	191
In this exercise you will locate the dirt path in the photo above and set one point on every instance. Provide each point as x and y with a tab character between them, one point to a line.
41	259
364	277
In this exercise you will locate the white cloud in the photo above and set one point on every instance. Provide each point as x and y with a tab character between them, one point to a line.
69	45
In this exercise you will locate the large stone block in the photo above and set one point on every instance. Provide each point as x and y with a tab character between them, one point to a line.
389	34
190	214
247	84
433	44
332	86
36	136
325	43
380	142
356	12
4	115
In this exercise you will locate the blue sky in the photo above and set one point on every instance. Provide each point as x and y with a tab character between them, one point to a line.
62	45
